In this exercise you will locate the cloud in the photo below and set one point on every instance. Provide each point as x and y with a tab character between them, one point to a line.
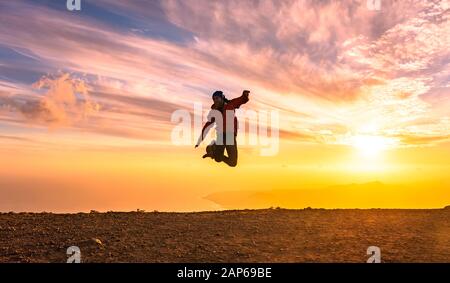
15	138
411	140
65	101
289	46
332	68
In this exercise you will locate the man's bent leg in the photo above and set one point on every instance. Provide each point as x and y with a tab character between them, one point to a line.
218	152
232	153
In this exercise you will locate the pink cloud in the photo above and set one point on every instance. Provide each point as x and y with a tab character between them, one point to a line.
328	65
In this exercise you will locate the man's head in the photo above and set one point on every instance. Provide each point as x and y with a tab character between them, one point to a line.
218	98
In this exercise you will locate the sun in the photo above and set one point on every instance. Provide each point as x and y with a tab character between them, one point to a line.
371	145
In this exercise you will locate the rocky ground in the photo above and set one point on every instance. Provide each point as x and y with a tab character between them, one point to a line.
269	235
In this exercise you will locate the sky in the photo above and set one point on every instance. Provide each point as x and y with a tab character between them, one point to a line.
87	98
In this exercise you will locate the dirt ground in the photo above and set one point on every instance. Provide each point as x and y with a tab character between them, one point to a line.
269	235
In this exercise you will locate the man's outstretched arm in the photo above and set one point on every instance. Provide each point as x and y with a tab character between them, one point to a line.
205	130
237	102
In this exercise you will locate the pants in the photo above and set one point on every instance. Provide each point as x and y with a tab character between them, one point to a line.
232	152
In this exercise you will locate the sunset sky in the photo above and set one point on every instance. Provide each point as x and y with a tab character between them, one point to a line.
86	99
